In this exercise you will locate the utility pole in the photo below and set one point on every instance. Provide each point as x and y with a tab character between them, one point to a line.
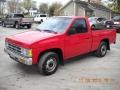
74	7
17	6
0	7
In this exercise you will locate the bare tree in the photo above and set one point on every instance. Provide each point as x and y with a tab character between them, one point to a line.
27	4
114	5
43	8
1	6
13	5
54	9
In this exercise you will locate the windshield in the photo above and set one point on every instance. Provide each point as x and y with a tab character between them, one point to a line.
55	25
43	16
116	18
91	19
18	15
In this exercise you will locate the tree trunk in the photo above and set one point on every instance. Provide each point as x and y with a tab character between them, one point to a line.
88	1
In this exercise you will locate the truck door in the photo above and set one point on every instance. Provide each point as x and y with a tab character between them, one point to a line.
11	19
6	19
78	40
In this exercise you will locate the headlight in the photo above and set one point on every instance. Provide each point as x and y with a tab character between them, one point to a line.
26	52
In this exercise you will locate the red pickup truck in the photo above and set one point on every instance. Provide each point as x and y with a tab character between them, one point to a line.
56	40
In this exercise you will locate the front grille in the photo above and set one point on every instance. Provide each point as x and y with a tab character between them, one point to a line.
14	49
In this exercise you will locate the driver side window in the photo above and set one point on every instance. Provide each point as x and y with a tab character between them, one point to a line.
8	16
78	26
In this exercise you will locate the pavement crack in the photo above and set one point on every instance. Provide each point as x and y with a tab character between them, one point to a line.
11	75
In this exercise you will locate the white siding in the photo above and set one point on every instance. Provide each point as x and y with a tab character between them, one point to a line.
101	13
80	11
68	10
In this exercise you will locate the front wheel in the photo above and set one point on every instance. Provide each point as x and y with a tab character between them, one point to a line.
17	26
48	63
102	49
3	24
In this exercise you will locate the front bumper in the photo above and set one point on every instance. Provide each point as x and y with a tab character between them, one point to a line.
18	58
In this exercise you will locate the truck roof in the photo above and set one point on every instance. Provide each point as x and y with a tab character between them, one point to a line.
71	16
15	13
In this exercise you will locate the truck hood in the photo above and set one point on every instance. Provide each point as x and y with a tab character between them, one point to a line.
27	38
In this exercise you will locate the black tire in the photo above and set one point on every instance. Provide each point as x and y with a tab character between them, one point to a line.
29	26
48	63
41	20
17	26
93	26
102	50
118	30
3	24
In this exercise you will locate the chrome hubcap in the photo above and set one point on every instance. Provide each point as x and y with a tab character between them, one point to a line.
103	50
51	64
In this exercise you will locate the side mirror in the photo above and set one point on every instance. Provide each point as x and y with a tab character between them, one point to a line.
71	31
6	17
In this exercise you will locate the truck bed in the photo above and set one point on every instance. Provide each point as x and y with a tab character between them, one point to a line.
98	35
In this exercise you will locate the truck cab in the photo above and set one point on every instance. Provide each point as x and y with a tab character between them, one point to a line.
56	40
39	18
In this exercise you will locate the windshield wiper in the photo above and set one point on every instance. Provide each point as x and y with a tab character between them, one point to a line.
38	29
49	31
46	30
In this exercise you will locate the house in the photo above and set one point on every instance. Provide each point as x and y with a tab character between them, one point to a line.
32	11
83	8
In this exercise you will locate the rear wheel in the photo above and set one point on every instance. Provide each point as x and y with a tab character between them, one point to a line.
118	30
102	49
48	63
29	26
93	26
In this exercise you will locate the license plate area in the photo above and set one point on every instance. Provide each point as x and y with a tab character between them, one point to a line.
17	59
14	58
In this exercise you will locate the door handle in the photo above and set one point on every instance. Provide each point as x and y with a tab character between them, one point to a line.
87	38
83	38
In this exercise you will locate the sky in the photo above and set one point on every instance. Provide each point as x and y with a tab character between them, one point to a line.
51	1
